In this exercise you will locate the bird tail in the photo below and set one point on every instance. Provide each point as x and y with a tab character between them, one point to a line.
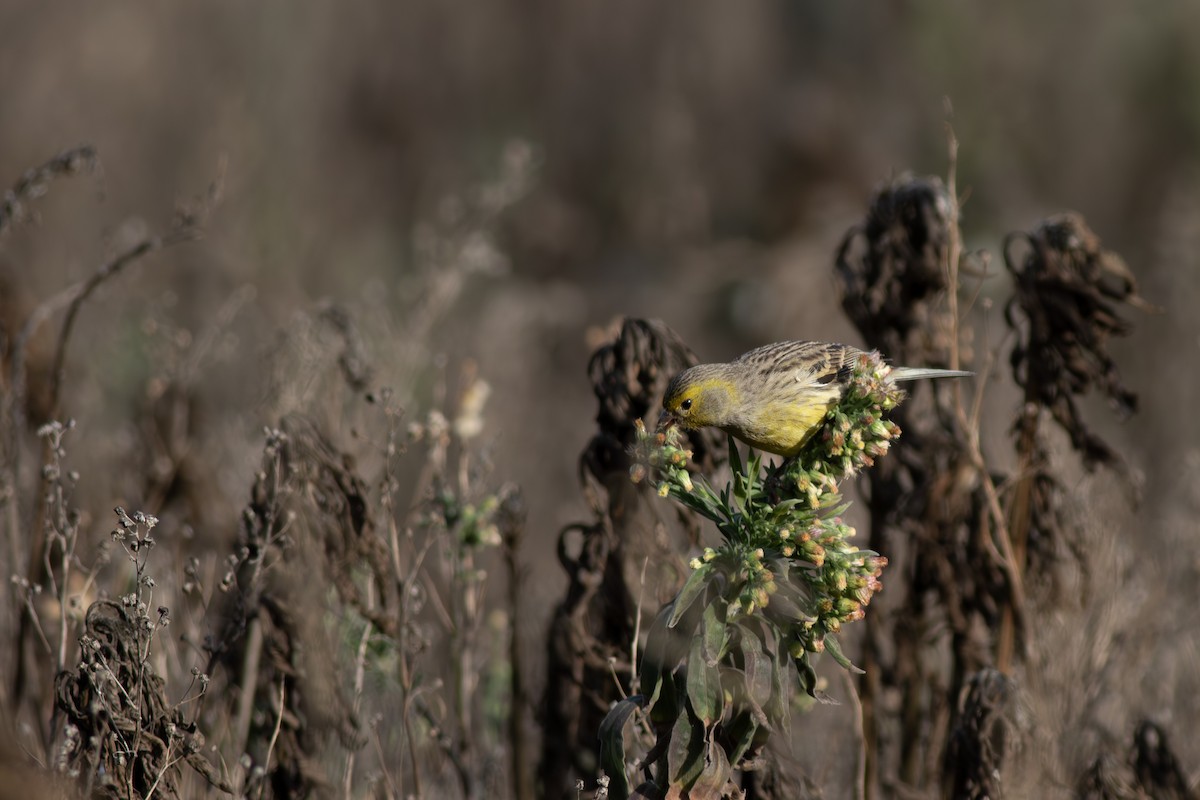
916	373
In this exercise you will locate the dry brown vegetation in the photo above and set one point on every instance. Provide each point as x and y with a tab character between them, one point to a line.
315	415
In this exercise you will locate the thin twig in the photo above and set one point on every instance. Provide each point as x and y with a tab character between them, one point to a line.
106	270
360	661
33	183
634	678
274	738
860	754
387	775
616	679
513	523
37	623
15	418
1001	534
168	762
446	744
245	711
637	629
187	230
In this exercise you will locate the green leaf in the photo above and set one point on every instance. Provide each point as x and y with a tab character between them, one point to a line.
685	754
711	783
704	684
698	504
778	709
665	649
750	686
668	703
758	667
735	458
731	530
713	631
754	469
853	554
808	675
785	507
697	582
741	731
612	745
786	604
834	648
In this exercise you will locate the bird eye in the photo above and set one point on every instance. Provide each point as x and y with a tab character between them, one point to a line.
686	405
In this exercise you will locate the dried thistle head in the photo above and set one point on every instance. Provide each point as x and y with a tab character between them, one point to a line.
892	265
629	376
1064	310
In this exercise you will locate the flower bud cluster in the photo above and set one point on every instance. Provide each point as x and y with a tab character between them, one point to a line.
784	537
855	432
845	580
660	453
474	524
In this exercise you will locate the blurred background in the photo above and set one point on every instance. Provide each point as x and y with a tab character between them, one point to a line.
498	182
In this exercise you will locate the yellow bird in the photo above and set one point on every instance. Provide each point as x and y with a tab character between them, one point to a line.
773	397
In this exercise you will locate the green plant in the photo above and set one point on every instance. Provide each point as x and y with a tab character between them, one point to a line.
716	671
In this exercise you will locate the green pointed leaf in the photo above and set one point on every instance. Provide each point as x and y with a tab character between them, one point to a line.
713	631
741	733
668	704
735	688
754	469
853	554
612	745
711	783
685	754
778	709
834	648
790	503
808	675
735	458
697	503
697	582
704	684
757	666
786	605
664	651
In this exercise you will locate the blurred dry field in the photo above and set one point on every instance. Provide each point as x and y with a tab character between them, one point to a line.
311	291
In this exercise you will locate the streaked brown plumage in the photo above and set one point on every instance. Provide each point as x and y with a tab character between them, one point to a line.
773	397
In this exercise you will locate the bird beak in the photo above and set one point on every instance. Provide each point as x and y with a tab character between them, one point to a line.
665	421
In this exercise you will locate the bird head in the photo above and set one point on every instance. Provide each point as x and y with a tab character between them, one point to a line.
699	397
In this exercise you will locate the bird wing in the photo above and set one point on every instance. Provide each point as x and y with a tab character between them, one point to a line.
810	363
